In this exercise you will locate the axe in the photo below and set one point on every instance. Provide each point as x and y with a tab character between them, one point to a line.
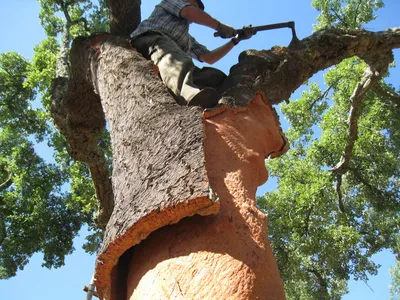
295	43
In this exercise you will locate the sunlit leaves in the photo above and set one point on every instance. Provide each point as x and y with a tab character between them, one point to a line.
16	98
395	284
345	13
324	233
83	17
42	205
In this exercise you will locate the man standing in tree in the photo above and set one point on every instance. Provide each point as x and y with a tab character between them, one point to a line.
164	38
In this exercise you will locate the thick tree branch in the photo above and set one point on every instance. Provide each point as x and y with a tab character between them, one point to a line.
372	75
81	131
280	71
82	124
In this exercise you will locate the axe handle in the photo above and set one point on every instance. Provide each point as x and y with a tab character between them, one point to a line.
266	27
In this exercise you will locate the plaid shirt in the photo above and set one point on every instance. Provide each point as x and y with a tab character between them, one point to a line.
166	19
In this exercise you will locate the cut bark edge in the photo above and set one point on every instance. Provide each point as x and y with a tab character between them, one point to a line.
209	113
156	219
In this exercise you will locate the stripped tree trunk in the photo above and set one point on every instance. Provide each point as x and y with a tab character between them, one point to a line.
227	256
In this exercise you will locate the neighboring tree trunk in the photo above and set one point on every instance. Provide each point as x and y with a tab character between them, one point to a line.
165	156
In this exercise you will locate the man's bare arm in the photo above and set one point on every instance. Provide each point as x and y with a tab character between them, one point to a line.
216	54
196	15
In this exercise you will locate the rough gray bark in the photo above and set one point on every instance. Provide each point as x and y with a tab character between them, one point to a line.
280	71
124	16
159	175
82	139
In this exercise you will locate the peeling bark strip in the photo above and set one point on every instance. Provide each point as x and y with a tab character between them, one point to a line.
159	174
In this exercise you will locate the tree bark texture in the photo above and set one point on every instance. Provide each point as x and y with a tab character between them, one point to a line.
159	172
124	16
227	256
280	71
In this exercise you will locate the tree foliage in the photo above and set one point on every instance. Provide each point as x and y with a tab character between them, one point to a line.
346	13
325	226
395	284
42	204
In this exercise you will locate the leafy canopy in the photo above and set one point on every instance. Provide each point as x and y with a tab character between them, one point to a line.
43	204
322	232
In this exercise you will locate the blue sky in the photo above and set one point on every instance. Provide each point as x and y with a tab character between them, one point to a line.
21	30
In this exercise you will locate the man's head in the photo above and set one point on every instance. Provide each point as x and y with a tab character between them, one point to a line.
197	3
201	5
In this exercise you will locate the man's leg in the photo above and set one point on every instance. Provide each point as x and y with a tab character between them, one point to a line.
176	69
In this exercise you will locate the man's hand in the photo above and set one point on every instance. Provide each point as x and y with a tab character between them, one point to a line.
225	31
244	34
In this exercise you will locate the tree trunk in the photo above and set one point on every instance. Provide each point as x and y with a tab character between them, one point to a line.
227	256
166	156
161	173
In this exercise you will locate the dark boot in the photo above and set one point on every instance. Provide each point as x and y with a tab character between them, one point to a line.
206	98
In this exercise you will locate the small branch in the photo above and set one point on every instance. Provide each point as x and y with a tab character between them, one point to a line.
104	193
371	76
324	94
8	181
81	20
356	12
3	230
374	190
386	92
340	18
321	280
366	283
339	193
308	219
